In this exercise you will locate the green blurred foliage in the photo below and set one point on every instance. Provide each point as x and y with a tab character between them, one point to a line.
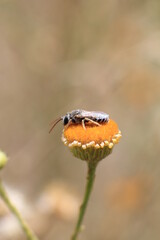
56	56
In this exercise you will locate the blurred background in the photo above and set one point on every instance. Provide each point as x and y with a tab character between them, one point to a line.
56	56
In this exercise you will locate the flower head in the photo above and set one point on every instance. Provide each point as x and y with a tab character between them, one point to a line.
93	143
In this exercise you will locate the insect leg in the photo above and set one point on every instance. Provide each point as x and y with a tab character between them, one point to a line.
94	122
69	123
83	124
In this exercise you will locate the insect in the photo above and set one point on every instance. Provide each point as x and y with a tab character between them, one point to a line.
82	116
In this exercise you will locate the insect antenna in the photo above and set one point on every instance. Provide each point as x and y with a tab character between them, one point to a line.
54	123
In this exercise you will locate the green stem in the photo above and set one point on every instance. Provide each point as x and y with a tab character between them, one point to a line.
29	234
89	185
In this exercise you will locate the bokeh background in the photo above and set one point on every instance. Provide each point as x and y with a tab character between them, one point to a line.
56	56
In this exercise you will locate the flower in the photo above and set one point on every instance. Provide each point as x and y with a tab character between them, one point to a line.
93	143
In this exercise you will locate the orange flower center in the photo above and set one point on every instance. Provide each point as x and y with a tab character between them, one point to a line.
105	131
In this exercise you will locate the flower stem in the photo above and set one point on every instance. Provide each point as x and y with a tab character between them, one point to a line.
29	234
89	185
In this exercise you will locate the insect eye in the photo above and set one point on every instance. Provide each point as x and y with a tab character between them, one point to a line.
65	121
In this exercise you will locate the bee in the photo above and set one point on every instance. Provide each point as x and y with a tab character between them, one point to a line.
82	116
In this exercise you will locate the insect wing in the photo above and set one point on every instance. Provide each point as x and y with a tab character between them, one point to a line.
94	115
83	114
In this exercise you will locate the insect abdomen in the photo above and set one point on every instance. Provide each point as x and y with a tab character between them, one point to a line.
100	117
100	120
